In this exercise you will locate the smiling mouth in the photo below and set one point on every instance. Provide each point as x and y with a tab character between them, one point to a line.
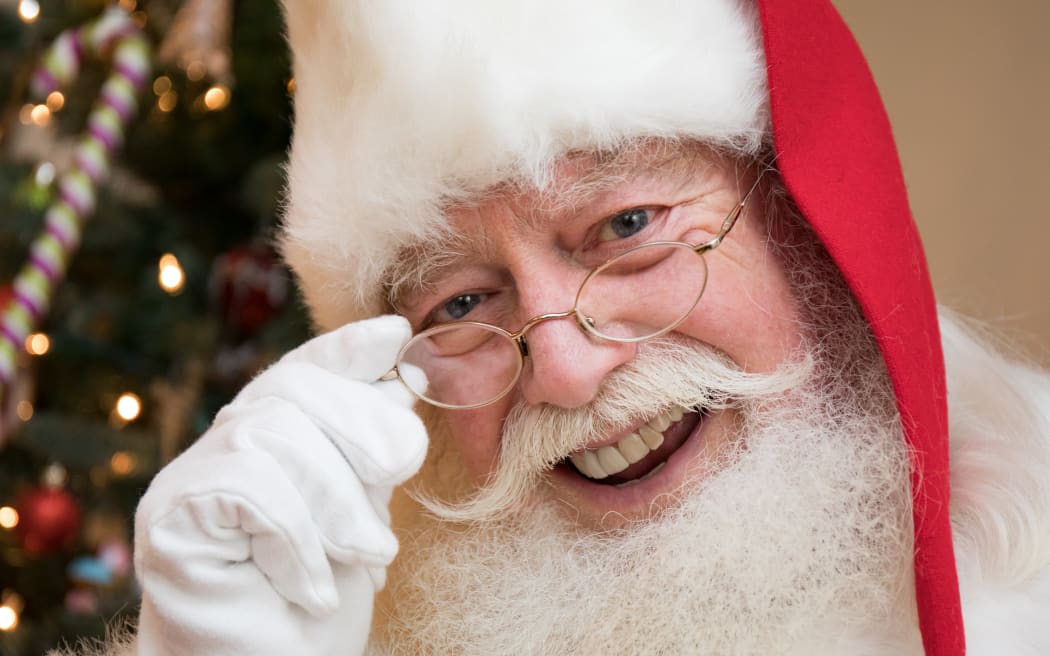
641	454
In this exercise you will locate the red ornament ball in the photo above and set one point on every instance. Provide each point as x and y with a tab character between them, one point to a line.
49	519
250	286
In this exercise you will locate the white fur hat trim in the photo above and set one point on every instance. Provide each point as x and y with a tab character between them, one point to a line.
402	105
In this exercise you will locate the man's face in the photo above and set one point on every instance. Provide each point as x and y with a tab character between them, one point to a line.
531	250
773	518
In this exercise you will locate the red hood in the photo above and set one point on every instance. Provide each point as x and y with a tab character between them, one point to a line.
836	152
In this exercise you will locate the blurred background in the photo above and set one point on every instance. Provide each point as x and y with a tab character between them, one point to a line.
172	301
967	88
174	298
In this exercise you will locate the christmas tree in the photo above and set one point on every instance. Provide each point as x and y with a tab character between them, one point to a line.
133	329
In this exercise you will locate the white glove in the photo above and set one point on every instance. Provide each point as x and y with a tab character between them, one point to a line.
270	535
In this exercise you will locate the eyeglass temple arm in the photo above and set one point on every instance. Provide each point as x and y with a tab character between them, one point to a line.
728	222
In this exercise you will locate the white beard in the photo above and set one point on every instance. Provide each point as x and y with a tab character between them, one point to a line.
807	526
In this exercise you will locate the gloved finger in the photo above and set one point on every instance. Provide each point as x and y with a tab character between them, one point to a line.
203	519
362	350
352	527
397	390
385	442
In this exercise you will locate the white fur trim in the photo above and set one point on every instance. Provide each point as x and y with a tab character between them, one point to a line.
402	105
999	418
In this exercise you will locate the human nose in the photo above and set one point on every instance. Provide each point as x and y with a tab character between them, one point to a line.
565	365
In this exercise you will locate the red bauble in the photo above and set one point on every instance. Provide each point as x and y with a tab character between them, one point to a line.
250	286
48	520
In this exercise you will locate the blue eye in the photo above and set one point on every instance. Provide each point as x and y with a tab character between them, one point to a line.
459	306
625	224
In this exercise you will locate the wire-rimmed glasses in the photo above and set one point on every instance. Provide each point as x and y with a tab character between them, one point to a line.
641	293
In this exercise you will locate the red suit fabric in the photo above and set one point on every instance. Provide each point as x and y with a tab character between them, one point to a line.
836	152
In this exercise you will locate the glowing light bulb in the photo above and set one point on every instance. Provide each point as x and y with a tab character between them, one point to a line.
28	10
162	85
40	115
8	618
122	463
8	517
55	101
24	410
129	406
25	114
167	101
216	98
170	274
195	70
38	344
55	475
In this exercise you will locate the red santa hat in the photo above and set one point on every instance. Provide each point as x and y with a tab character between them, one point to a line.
402	107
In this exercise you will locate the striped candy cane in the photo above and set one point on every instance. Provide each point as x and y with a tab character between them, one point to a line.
112	34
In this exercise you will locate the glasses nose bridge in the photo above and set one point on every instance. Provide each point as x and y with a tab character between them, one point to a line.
519	337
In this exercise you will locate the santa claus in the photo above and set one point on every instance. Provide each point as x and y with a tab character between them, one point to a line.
659	370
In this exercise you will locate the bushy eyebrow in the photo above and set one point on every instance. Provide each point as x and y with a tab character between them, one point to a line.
420	265
601	171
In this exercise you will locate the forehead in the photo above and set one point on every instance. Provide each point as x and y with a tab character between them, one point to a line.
575	181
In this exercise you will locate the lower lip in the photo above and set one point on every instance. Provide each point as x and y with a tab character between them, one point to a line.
638	497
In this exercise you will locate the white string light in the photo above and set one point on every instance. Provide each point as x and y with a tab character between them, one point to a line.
8	618
129	406
28	10
170	274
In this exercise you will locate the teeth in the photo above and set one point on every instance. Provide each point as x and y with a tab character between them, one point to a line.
587	463
652	438
612	460
660	422
609	460
633	448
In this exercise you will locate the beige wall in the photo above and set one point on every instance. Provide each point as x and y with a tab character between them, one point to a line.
967	87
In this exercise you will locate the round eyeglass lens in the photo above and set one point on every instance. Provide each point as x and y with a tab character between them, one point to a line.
642	292
465	364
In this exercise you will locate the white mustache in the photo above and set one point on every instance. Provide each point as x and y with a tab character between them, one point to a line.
666	372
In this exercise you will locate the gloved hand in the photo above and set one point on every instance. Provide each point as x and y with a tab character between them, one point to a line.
270	535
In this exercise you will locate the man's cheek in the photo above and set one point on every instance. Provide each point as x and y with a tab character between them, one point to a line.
757	328
444	474
475	436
